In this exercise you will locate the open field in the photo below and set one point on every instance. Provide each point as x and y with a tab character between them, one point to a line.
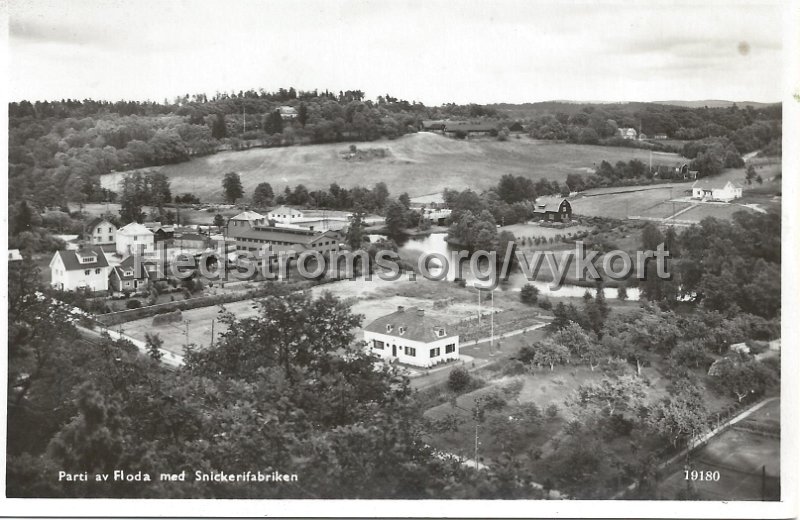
665	200
420	164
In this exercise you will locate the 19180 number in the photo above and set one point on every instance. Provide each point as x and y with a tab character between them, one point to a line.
701	475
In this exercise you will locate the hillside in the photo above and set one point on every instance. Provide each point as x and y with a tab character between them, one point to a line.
418	164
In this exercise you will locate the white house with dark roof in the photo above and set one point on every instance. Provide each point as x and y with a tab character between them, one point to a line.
135	236
711	189
409	336
86	268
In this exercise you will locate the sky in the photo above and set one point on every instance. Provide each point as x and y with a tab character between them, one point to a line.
430	51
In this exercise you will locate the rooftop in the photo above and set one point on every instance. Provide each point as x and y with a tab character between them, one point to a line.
72	263
134	228
416	325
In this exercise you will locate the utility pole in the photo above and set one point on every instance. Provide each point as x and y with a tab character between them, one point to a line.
187	332
476	450
479	307
212	332
491	340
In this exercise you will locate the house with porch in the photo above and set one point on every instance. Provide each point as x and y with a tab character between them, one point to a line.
409	336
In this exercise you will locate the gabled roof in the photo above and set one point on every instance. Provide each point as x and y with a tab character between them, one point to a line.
134	228
545	204
418	326
97	221
248	215
712	183
286	209
14	255
72	263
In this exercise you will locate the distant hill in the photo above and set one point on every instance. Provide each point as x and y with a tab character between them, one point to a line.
714	103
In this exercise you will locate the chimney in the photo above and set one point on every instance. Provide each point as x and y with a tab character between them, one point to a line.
420	312
400	308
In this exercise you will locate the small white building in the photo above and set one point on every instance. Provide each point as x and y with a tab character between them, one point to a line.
409	336
285	215
101	231
14	256
134	237
85	268
627	133
711	189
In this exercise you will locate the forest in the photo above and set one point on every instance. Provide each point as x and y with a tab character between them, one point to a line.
59	149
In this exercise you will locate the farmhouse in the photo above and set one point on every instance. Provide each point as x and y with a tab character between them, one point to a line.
86	268
627	133
711	189
285	215
409	336
134	237
101	231
553	209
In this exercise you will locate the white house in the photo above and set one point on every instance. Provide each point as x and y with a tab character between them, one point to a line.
14	256
410	337
101	231
285	215
84	268
711	189
133	237
627	133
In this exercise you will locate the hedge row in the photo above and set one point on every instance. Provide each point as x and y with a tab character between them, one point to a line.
271	289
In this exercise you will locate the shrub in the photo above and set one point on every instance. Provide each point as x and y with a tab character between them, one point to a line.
545	304
133	304
514	368
551	410
459	379
529	294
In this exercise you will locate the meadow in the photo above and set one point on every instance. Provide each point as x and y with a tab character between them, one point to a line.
419	164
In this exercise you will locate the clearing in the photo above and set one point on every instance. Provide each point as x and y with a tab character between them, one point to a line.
421	163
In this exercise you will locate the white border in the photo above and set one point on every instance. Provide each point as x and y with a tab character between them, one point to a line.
489	508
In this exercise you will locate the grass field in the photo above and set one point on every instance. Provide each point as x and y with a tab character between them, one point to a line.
420	164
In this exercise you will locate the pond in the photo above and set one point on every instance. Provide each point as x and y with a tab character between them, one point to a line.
437	243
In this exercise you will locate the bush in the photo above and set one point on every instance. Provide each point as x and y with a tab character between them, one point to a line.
551	410
169	317
545	304
459	379
529	294
133	304
514	368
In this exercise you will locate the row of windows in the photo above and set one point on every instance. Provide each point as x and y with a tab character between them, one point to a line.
411	351
89	271
100	230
